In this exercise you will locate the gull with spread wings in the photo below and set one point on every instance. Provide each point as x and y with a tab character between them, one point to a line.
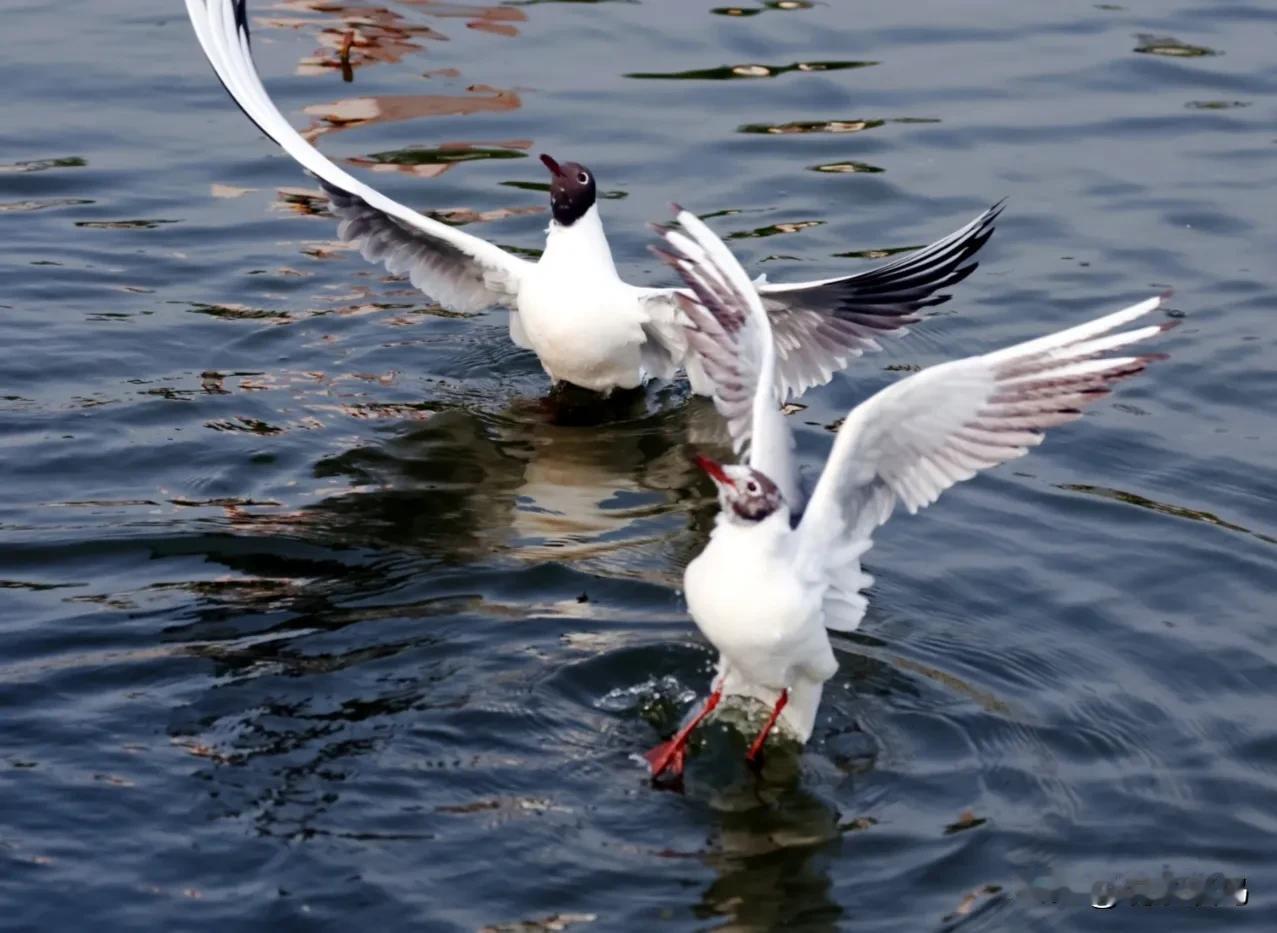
779	572
570	307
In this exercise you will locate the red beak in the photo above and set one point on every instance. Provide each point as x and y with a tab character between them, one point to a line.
551	165
713	468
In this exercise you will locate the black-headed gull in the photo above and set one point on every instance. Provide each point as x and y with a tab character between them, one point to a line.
769	584
570	307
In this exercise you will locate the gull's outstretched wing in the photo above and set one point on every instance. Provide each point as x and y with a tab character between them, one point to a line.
455	268
916	438
730	343
820	327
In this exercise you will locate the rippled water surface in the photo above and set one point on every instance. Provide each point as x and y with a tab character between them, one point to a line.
313	614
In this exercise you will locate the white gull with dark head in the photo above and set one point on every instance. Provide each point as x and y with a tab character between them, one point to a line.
781	570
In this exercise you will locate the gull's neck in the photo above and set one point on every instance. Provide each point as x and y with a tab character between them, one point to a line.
582	246
772	532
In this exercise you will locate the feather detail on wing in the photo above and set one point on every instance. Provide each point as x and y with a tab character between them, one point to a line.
455	268
730	345
820	327
916	438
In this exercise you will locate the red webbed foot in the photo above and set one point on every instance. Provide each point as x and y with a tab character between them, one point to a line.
668	757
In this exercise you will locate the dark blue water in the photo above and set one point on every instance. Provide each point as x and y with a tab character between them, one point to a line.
312	618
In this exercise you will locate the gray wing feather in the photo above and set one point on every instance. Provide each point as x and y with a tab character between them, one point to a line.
939	427
919	436
441	269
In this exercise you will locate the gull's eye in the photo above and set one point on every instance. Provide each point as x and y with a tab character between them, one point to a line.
583	178
752	488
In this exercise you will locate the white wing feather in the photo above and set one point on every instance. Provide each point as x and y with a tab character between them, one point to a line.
731	347
455	268
913	440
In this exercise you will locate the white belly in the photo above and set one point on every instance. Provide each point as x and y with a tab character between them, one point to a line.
758	614
584	332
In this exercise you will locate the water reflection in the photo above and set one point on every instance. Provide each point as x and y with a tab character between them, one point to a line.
1166	508
365	111
848	168
811	126
42	165
465	482
1216	104
430	161
775	832
773	865
769	5
879	253
1171	47
800	127
354	35
789	226
747	71
40	204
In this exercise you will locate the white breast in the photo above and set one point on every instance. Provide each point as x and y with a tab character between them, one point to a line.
745	597
581	320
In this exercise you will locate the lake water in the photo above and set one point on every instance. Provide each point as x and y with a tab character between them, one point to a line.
312	617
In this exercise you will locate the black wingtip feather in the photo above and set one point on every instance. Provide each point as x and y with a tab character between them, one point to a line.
241	19
915	285
911	281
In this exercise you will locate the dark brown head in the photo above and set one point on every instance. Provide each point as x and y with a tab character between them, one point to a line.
749	495
571	190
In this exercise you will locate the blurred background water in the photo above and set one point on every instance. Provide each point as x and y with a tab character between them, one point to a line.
311	616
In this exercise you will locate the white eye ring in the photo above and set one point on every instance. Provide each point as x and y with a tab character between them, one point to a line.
583	178
752	488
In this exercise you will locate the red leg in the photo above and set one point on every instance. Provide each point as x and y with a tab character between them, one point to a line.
756	749
668	756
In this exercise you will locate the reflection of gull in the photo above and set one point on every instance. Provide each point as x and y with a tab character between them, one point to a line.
584	494
612	497
768	863
587	326
768	584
